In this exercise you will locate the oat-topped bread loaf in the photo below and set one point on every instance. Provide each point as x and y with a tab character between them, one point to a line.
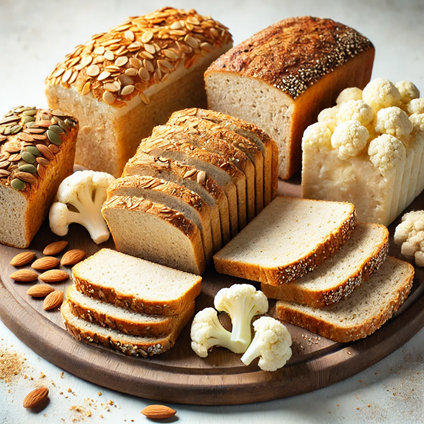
280	78
37	149
123	82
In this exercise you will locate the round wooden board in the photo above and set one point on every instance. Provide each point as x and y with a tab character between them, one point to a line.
179	375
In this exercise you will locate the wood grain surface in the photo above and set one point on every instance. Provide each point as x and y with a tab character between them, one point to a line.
179	375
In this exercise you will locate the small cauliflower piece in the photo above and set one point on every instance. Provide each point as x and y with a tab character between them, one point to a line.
79	200
407	90
386	152
329	117
349	138
207	332
350	93
394	121
415	106
272	344
410	235
381	93
241	302
317	135
417	121
357	110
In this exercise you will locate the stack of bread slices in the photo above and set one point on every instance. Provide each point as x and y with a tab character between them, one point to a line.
330	274
191	187
128	304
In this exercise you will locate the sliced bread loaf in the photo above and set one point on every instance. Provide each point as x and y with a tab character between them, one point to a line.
92	333
155	232
121	319
289	238
369	307
339	275
135	283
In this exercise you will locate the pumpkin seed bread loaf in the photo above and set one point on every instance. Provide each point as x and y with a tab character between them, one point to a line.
37	149
280	78
132	78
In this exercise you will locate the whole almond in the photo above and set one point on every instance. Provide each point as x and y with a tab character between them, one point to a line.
158	412
72	257
40	290
47	262
35	397
55	248
53	300
22	258
53	276
24	276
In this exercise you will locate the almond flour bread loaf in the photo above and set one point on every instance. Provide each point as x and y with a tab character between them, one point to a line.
123	82
281	78
37	149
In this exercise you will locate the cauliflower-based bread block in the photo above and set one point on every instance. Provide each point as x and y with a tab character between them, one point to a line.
283	76
288	239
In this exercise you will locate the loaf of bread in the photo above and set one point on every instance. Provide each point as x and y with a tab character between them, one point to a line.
123	82
283	76
37	149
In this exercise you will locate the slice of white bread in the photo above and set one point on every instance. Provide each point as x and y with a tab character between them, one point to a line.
341	274
124	320
135	283
369	307
155	232
129	345
289	238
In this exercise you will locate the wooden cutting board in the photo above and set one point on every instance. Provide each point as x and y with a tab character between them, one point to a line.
179	375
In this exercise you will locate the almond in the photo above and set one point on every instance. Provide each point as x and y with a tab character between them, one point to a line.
24	276
53	276
158	412
53	300
35	397
48	262
72	257
22	259
55	248
40	290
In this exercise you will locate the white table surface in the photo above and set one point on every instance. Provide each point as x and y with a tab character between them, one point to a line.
34	35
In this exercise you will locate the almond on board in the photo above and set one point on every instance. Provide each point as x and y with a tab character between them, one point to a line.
46	262
40	290
53	300
72	257
24	276
22	258
55	247
53	276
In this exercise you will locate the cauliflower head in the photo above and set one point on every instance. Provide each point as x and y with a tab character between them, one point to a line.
407	90
381	93
357	110
350	93
329	117
410	235
393	121
350	138
386	152
416	106
317	135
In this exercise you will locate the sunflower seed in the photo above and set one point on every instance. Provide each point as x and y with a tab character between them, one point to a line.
43	161
86	88
131	72
147	36
4	164
99	50
93	71
109	55
26	177
136	63
201	178
143	73
103	76
145	99
4	173
170	54
41	171
189	173
121	61
108	97
150	48
85	61
129	35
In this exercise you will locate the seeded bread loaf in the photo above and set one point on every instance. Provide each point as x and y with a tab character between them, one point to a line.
341	274
37	149
289	238
124	320
132	78
361	314
136	284
155	232
281	78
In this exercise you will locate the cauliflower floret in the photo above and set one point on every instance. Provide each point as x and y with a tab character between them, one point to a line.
386	152
317	135
381	93
407	90
393	121
349	138
351	93
357	110
417	120
416	106
410	234
329	117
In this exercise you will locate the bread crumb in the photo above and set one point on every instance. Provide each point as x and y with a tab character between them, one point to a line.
12	363
69	390
61	374
42	375
100	393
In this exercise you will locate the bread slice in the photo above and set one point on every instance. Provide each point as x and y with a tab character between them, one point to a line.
341	274
256	135
172	195
361	314
155	232
289	238
205	128
92	333
124	320
135	283
192	178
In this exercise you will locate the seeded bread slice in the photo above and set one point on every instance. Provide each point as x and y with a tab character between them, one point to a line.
289	238
172	195
136	284
192	178
92	333
361	314
341	274
124	320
